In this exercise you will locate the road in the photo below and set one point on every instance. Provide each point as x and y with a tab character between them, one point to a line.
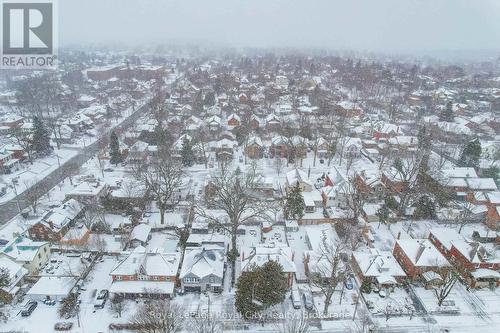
9	209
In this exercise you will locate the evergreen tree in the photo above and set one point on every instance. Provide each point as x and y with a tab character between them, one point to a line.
187	153
492	172
447	113
41	138
471	154
294	203
425	208
4	282
383	213
209	99
260	288
114	149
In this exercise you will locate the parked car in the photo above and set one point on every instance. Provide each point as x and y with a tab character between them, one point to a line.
308	300
29	308
102	294
348	284
63	326
99	303
295	297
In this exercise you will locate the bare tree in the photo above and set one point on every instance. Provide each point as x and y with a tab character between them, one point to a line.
32	194
296	323
24	139
465	216
205	323
350	234
200	141
98	243
92	216
103	144
326	270
278	165
162	179
406	171
118	305
233	193
443	290
355	198
158	316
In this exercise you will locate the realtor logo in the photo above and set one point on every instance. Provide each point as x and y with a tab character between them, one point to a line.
28	34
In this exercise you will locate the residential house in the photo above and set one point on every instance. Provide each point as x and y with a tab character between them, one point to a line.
145	273
203	269
263	253
88	192
32	255
254	148
418	256
378	267
140	235
54	224
233	120
16	273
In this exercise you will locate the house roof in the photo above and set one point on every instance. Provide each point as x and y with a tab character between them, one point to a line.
52	286
140	232
203	261
422	253
262	253
15	271
297	175
22	249
380	264
142	262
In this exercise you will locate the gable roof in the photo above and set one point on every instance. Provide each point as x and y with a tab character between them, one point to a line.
203	261
142	262
262	253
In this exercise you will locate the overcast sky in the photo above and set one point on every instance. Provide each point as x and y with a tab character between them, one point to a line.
366	25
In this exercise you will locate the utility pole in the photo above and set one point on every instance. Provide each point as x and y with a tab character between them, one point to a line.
355	307
17	198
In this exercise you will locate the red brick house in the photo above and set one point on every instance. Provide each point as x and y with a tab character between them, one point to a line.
142	273
254	148
233	120
386	131
417	256
54	224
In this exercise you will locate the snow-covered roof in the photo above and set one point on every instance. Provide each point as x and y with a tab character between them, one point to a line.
142	262
15	271
484	273
422	253
22	249
481	184
297	175
380	264
140	232
262	253
52	286
60	216
203	261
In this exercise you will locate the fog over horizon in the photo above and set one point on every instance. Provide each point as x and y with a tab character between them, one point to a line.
399	26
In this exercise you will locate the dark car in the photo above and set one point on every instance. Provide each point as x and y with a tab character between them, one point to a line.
29	308
348	284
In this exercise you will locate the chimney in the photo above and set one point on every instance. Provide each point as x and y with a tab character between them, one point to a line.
420	251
